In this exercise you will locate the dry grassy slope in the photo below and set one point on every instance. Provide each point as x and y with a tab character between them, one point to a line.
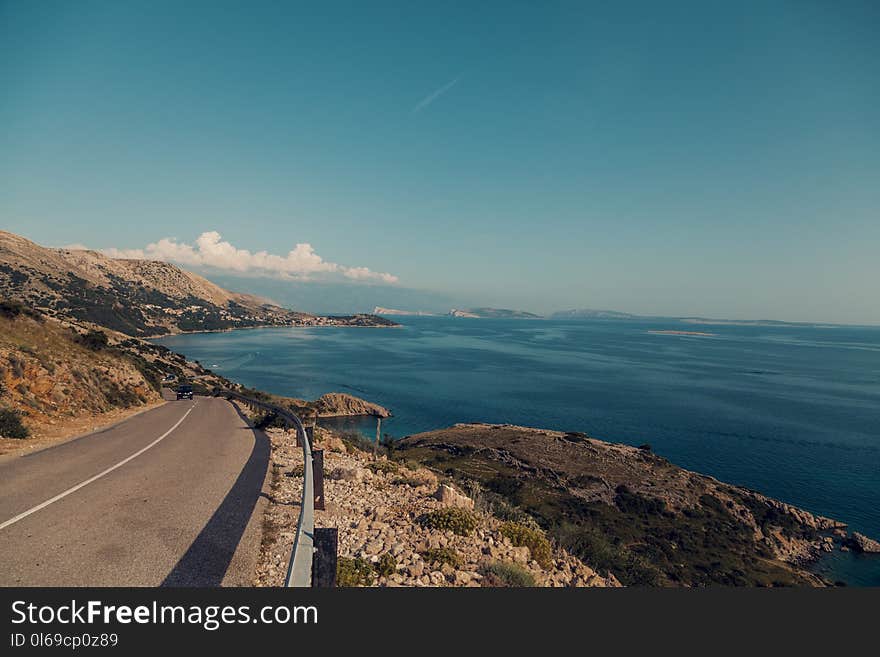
49	376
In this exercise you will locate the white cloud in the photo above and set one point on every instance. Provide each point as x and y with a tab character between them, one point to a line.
210	250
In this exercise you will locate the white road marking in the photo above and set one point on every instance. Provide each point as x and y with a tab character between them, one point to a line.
25	514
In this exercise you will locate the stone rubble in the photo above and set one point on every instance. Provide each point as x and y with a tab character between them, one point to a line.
375	504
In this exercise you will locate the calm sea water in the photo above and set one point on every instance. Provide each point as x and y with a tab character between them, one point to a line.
793	412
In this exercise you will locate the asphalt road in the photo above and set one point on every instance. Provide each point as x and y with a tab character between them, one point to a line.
169	497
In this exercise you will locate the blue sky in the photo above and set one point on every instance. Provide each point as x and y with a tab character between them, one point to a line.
703	158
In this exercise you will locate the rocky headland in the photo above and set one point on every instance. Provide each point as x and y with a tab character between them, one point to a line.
503	505
629	512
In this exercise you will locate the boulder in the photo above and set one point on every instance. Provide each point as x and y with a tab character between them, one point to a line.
448	496
424	477
520	554
862	543
343	473
332	443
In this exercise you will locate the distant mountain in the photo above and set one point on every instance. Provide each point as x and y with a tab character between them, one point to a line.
586	313
332	297
493	313
136	297
379	310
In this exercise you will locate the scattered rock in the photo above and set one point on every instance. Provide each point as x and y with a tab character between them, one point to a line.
377	519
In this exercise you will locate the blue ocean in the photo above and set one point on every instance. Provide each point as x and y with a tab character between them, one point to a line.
791	411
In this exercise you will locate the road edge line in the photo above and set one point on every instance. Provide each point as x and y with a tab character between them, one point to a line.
73	489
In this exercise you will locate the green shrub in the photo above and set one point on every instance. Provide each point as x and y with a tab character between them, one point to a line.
353	572
534	539
389	443
10	309
504	510
387	565
383	466
94	340
458	521
11	425
502	573
268	420
356	441
442	555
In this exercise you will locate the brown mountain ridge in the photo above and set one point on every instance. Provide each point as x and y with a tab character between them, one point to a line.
141	298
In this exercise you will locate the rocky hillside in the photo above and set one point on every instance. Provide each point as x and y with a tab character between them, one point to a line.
403	525
50	374
136	297
627	512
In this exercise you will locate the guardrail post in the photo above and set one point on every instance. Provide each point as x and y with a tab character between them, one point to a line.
324	564
318	472
310	435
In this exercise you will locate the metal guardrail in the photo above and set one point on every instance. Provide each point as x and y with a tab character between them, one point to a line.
299	570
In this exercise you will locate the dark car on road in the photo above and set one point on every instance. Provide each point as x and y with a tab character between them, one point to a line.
184	392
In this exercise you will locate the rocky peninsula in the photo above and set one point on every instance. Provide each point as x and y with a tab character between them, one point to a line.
504	505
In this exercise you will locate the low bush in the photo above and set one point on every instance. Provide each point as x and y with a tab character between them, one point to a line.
11	425
442	555
353	572
268	420
356	441
504	510
459	521
389	443
502	573
11	309
388	467
386	565
534	539
94	340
